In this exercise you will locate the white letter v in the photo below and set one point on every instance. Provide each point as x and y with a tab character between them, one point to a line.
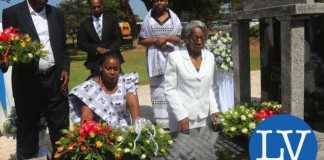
285	133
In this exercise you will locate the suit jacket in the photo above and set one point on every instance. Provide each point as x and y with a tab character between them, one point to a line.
188	92
88	39
18	16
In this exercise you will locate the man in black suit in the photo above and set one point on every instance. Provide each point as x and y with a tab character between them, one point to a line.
39	87
99	34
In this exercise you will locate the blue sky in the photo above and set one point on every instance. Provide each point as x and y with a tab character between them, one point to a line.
137	6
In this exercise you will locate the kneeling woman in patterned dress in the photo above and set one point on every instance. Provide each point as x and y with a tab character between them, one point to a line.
108	97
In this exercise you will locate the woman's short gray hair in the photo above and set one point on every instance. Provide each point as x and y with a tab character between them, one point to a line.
187	29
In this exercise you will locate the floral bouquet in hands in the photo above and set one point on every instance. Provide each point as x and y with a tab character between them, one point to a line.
142	141
242	119
17	47
90	141
220	44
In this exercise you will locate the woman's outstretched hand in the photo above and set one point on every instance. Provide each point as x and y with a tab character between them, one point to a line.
86	114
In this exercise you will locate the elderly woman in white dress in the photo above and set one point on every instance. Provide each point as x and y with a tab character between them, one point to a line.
108	97
189	81
160	33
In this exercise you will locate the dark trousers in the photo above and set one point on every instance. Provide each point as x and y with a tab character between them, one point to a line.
39	96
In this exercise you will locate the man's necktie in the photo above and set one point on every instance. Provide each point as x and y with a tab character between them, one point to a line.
98	28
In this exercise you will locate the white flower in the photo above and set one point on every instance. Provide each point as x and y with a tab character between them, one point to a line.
170	141
15	59
143	156
231	64
244	130
126	150
243	117
252	125
250	115
30	55
233	129
223	54
120	138
161	130
147	141
163	150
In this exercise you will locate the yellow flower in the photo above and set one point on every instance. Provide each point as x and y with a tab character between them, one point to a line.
163	150
27	38
98	144
118	149
147	141
170	141
23	44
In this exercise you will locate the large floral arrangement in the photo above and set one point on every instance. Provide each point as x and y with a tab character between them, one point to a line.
220	44
142	141
242	119
19	47
98	141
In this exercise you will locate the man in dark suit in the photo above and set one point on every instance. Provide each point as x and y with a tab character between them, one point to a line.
99	34
39	87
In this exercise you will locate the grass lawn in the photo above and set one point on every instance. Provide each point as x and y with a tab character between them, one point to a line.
255	54
135	61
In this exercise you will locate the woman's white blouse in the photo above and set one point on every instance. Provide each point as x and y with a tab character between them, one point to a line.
110	108
190	92
156	56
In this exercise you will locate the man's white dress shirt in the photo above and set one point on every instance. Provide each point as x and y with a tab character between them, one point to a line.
41	26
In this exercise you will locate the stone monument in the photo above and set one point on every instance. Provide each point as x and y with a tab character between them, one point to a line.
285	45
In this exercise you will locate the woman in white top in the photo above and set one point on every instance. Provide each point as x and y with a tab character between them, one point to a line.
160	33
189	80
108	97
